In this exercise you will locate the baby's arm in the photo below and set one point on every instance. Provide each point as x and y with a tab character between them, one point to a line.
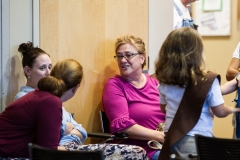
69	128
77	133
78	129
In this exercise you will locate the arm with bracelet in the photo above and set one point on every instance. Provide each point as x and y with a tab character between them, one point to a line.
227	88
230	87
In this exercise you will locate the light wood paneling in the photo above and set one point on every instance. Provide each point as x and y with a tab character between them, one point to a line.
86	30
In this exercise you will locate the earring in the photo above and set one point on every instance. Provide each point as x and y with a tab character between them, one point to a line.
28	77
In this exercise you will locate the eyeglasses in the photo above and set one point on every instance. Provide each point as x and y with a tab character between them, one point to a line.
127	56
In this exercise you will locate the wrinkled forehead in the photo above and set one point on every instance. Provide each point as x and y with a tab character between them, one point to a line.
124	53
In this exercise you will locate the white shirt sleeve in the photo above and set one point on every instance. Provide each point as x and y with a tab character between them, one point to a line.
236	53
214	96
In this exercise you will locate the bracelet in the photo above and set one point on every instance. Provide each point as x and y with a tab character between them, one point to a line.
237	76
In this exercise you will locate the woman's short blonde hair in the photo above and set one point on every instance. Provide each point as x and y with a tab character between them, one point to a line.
135	41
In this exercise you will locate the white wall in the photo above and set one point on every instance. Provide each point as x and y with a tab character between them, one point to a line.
20	23
160	25
4	67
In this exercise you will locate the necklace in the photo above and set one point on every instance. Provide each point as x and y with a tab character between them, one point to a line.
138	84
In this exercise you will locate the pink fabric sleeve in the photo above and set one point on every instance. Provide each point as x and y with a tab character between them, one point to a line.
116	106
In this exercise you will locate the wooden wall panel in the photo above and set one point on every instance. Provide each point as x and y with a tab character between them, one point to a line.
86	30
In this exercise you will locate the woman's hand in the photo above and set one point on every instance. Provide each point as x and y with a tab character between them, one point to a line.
139	132
61	148
161	137
69	128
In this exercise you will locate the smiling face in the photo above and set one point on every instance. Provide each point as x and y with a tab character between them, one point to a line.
131	66
41	68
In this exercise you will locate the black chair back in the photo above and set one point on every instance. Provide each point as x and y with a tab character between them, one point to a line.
37	152
105	128
104	122
106	135
211	148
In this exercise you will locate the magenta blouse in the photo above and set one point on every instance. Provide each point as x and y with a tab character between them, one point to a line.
126	105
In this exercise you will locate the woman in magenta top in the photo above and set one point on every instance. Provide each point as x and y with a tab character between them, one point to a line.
131	99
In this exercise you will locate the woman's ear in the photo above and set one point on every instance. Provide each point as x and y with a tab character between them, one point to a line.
143	58
27	71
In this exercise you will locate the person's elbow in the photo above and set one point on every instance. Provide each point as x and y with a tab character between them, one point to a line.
220	111
229	77
231	73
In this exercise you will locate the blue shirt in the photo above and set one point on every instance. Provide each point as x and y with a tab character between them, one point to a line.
23	91
171	95
67	117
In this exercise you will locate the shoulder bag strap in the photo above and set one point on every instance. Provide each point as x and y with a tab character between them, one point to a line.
178	10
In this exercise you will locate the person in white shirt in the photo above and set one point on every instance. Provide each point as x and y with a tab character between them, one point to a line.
181	12
234	66
232	71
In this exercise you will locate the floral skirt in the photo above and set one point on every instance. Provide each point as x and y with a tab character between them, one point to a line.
110	151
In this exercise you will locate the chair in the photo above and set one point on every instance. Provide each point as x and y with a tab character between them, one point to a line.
211	148
105	126
106	135
106	132
37	152
104	122
98	135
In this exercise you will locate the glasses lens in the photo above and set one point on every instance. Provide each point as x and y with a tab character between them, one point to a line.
117	57
129	55
126	56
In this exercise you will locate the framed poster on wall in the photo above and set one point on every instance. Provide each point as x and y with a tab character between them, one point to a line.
213	17
211	5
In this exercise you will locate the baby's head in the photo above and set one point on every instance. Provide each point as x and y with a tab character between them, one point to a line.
181	57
